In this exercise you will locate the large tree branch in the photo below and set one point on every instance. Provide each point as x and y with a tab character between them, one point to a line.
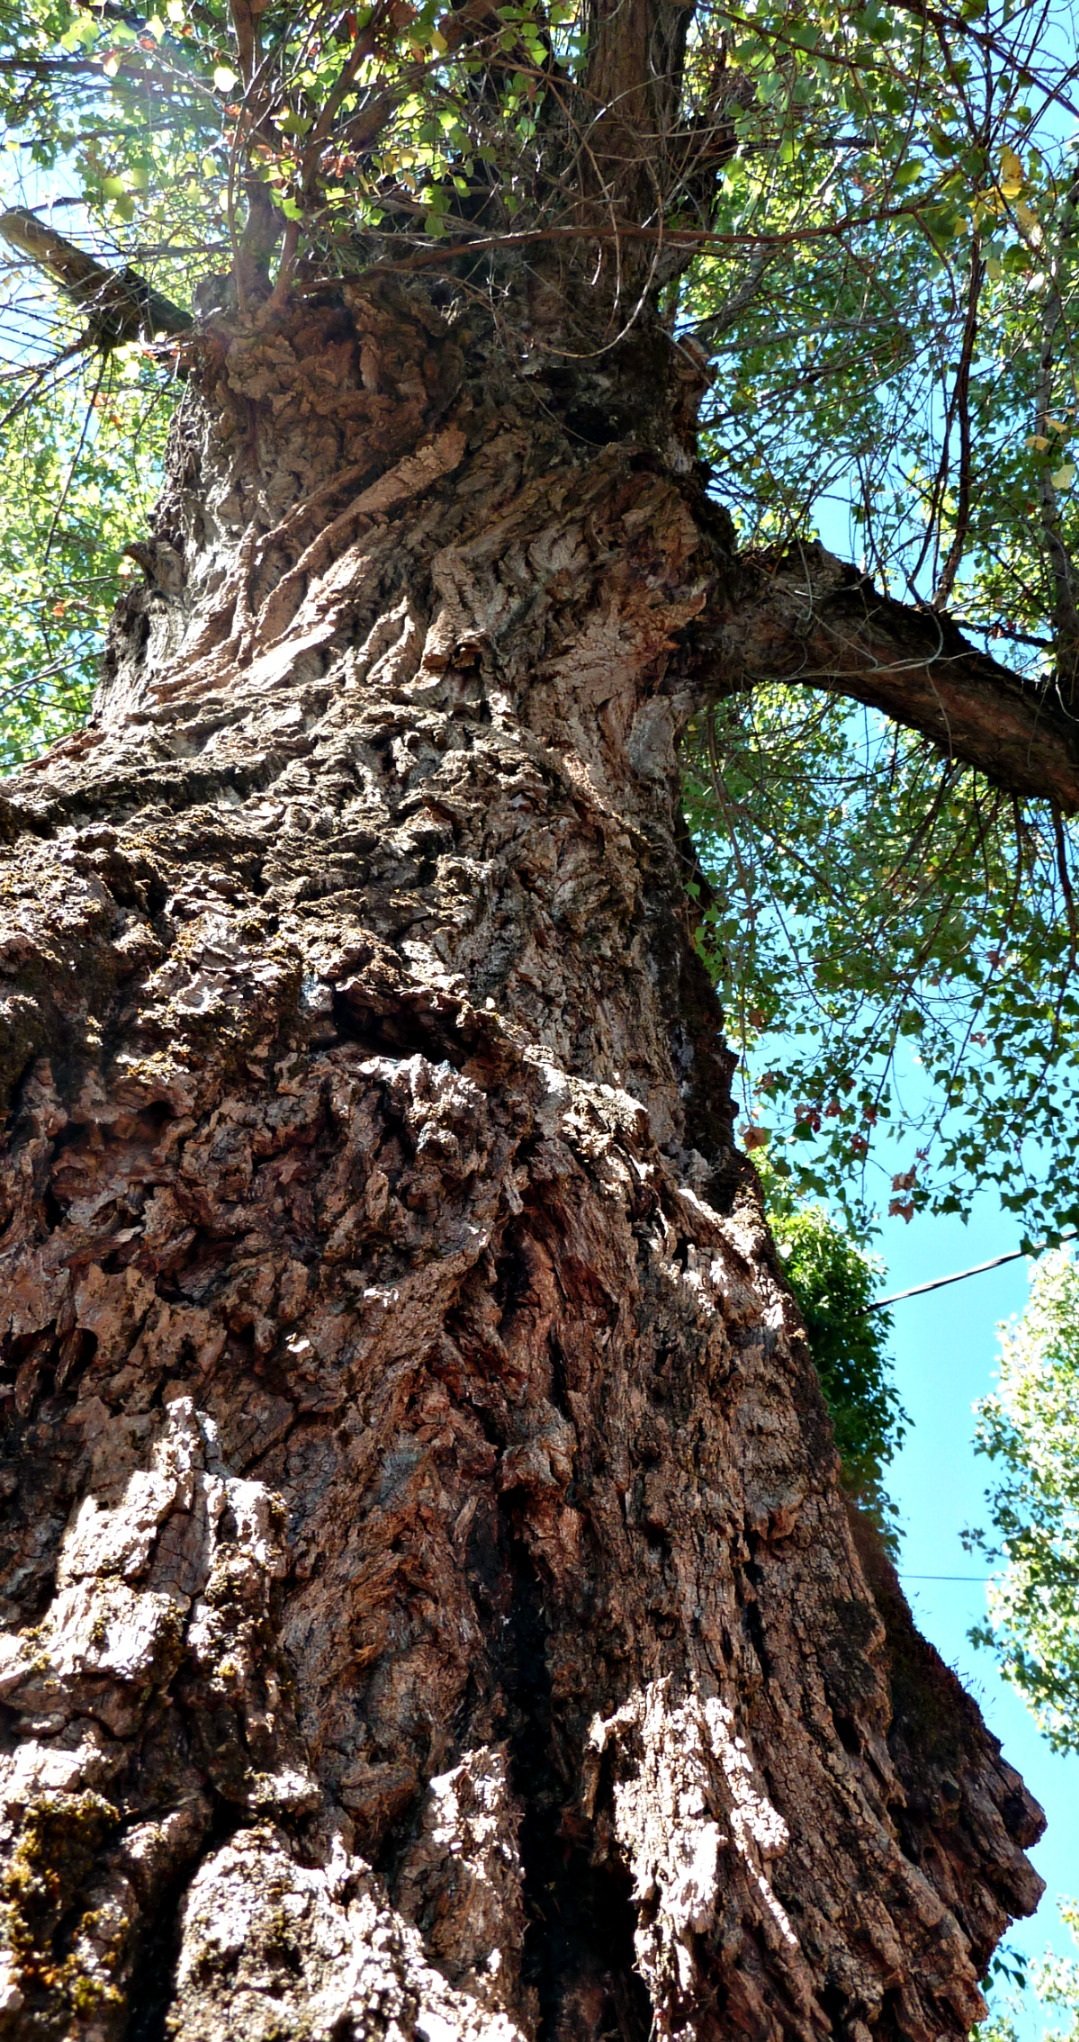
630	162
808	619
636	50
121	304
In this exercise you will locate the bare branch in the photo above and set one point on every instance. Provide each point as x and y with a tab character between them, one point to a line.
959	412
121	305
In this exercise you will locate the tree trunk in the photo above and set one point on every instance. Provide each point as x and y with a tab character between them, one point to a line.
431	1610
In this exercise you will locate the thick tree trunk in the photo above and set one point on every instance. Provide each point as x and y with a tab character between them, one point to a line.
430	1608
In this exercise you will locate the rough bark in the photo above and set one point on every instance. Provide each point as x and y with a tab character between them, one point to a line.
430	1607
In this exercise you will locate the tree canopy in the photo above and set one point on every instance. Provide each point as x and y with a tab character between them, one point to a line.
861	227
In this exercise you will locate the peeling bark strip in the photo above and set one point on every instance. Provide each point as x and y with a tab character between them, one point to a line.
429	1606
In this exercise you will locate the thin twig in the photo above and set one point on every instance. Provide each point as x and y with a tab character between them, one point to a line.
960	409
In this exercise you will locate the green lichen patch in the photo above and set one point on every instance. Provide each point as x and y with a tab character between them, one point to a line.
48	1928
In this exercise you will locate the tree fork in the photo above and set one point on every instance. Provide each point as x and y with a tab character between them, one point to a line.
430	1608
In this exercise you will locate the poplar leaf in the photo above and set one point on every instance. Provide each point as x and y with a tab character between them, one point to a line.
1011	173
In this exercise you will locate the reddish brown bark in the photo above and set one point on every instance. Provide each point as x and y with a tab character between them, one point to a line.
430	1607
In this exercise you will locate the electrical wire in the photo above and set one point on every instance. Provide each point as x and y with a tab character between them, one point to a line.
979	1268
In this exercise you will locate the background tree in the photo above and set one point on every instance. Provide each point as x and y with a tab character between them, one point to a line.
1027	1429
431	1605
1055	1982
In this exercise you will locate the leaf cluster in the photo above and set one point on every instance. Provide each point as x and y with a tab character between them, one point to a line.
834	1282
78	479
894	948
904	368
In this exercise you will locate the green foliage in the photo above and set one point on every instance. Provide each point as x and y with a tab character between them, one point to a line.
834	1282
77	481
1053	1986
894	945
892	363
894	955
1029	1429
1057	1984
124	117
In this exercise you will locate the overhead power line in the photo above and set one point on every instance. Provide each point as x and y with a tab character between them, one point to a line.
959	1275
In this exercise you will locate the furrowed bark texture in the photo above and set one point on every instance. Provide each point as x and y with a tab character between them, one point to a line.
429	1606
